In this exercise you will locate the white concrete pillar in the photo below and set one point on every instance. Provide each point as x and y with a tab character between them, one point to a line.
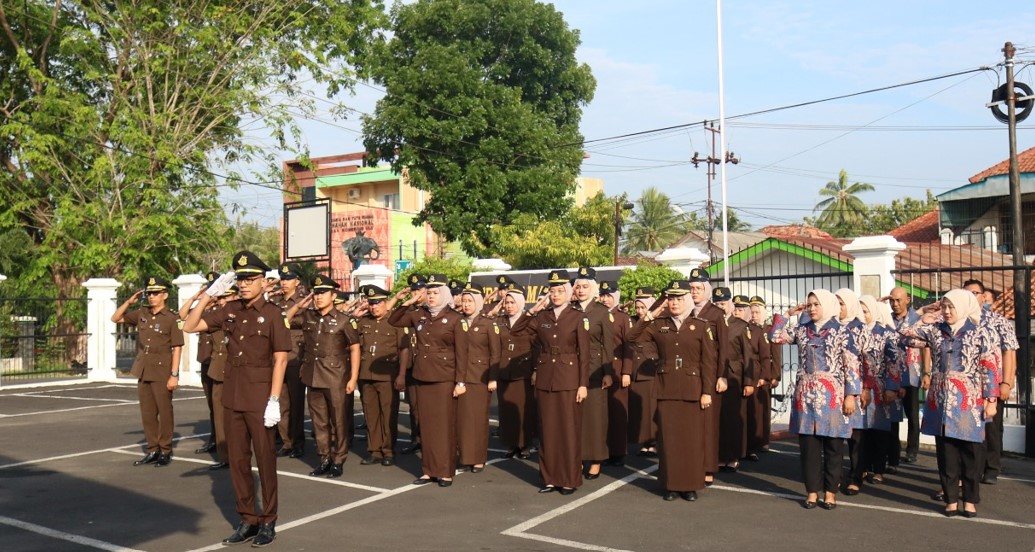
683	259
874	261
100	345
490	265
190	369
377	275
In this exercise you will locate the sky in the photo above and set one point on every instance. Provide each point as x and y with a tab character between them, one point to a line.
656	66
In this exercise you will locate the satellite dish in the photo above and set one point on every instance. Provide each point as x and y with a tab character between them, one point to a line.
1024	107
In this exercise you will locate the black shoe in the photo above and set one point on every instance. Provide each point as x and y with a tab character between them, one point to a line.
284	452
566	491
615	461
689	496
851	492
524	455
265	536
219	466
891	470
951	513
445	482
423	480
411	449
752	457
592	476
336	471
512	453
242	534
322	469
164	459
828	505
297	452
388	461
911	459
669	496
809	504
209	447
476	469
939	496
148	458
969	515
547	489
369	461
728	469
990	479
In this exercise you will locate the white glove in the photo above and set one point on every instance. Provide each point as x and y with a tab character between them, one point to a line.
223	283
272	414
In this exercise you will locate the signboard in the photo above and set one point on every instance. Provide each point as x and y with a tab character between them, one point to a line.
307	232
401	265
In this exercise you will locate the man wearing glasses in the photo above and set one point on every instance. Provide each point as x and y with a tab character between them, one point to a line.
156	367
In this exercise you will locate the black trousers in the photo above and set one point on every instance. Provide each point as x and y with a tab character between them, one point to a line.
960	460
875	446
994	444
821	462
857	444
911	405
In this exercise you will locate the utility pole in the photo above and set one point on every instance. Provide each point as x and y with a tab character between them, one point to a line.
712	161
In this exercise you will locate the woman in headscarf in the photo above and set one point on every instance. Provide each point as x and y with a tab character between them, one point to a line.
643	402
439	368
483	361
561	378
827	384
516	397
880	404
850	316
963	395
601	369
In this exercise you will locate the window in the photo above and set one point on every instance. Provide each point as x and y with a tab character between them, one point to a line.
391	201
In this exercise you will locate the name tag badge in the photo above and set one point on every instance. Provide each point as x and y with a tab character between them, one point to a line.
260	320
679	363
663	329
510	347
158	327
546	326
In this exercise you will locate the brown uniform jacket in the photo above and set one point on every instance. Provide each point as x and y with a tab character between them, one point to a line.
563	348
720	331
601	341
775	356
516	352
297	340
623	358
760	343
328	338
253	334
483	350
439	350
157	334
385	349
644	357
688	361
742	359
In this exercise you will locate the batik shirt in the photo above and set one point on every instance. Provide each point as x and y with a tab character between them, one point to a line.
911	359
880	373
828	371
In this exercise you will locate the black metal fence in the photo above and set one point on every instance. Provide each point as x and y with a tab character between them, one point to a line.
42	339
126	335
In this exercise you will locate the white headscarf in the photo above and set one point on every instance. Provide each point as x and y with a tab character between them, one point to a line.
828	303
520	298
617	296
966	306
446	297
851	301
874	308
648	302
704	302
479	303
886	317
594	290
568	292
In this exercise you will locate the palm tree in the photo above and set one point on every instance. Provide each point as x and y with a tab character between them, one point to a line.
654	225
841	208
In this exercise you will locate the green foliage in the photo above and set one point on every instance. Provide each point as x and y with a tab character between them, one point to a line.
582	237
113	111
453	269
655	276
482	107
733	222
881	219
654	224
842	209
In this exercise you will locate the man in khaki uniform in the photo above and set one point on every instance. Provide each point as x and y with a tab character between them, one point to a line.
292	395
159	343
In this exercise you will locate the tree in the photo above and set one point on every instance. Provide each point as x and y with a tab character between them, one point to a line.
842	206
733	222
113	111
655	224
881	219
454	269
582	237
482	108
646	275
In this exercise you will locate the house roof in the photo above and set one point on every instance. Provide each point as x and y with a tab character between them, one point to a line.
795	230
736	240
924	228
1025	163
1004	305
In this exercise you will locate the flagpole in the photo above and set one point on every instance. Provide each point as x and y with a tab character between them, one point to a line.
722	151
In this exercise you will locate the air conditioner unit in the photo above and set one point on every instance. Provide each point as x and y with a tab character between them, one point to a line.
354	193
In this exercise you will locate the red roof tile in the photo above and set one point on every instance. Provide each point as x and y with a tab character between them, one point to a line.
1004	305
924	228
794	231
1025	162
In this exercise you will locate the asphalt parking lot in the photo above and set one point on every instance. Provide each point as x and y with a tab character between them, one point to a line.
67	483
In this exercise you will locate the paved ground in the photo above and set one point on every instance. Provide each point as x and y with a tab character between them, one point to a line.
67	484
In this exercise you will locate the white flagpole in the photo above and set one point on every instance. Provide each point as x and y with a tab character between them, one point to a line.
722	150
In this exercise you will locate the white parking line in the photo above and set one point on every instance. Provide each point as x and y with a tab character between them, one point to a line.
3	416
96	451
41	396
54	533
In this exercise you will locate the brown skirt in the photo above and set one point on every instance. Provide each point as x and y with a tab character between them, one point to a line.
711	435
681	445
643	404
438	428
518	418
594	426
560	448
757	404
733	423
472	424
617	419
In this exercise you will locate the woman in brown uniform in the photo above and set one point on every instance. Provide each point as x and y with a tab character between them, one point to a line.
516	396
439	369
618	393
685	382
643	402
601	370
483	363
561	378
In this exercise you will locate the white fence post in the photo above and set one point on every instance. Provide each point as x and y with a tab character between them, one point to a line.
190	369
100	345
874	261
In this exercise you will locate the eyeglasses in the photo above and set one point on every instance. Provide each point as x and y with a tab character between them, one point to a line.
153	293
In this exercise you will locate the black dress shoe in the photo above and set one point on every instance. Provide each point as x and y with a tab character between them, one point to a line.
148	458
322	469
910	459
851	492
547	489
566	491
423	480
809	504
282	452
828	505
524	455
265	536
388	461
296	452
336	471
411	449
445	482
209	447
477	469
242	534
512	453
615	461
219	466
164	459
592	476
990	479
369	461
689	496
969	515
951	513
669	496
752	457
728	469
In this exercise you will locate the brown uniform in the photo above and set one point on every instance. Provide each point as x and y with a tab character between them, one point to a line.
516	397
253	334
216	368
472	416
740	373
618	396
292	394
758	404
325	370
385	354
204	357
157	335
686	371
601	369
717	318
643	401
439	363
775	374
562	366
